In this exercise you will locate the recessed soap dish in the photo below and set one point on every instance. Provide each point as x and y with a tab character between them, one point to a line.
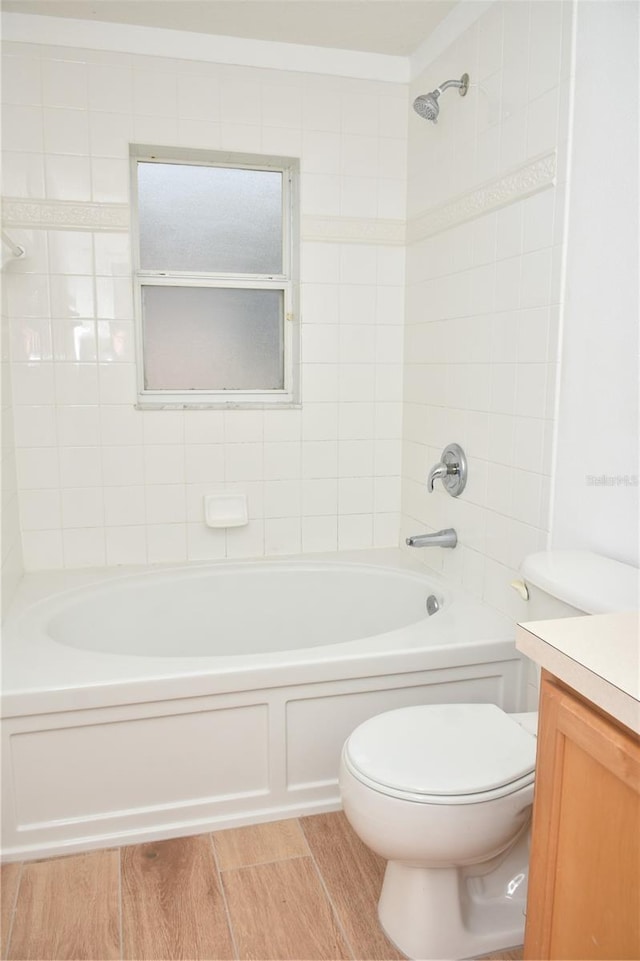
225	510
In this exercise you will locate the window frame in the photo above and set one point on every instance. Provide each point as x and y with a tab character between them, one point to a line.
287	282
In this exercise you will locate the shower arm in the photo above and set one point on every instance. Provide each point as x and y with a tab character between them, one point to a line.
453	83
449	83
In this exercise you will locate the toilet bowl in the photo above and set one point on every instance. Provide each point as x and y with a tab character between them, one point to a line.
444	794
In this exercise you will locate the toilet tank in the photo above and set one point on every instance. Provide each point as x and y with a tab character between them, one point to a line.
571	583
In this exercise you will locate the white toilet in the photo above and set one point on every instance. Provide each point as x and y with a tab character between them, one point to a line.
444	792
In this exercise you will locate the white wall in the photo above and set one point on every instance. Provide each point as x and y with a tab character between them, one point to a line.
100	482
10	534
597	461
484	291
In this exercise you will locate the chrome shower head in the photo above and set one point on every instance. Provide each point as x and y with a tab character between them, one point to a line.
427	106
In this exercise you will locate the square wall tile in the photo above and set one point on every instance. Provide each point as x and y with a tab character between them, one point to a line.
110	180
120	425
166	543
206	463
64	83
110	90
282	498
281	461
154	93
355	495
22	175
319	534
123	466
386	529
67	178
78	426
38	468
33	384
110	134
76	384
80	467
35	426
82	507
70	252
124	506
74	340
204	544
84	547
42	550
165	504
164	464
21	80
66	131
282	535
40	510
22	127
246	541
355	532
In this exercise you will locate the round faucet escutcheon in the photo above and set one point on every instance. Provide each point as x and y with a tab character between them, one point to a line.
451	470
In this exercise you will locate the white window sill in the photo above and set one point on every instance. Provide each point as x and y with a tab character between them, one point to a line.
219	405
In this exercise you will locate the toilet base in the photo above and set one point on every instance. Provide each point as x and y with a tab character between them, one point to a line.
455	913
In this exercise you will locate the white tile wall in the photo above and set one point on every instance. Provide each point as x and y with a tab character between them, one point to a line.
100	482
12	566
483	298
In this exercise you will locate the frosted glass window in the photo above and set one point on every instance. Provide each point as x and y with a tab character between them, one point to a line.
212	338
210	219
216	268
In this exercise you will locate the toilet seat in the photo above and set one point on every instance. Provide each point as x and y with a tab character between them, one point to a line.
442	754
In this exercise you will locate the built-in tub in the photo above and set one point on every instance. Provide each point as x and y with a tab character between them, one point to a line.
178	701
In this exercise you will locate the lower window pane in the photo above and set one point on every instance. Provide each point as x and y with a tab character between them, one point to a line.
212	338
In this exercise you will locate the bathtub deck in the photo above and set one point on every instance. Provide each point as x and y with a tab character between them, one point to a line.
302	888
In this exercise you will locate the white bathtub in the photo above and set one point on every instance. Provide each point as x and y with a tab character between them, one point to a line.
177	701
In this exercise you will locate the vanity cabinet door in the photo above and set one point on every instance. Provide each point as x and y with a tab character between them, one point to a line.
584	883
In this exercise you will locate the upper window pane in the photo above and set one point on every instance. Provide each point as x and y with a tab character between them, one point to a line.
209	219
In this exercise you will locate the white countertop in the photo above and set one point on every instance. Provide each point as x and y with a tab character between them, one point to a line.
597	655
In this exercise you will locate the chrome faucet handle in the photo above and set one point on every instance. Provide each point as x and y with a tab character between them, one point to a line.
452	470
438	471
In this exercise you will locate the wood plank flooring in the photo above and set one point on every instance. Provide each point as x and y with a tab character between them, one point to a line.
353	877
172	902
299	889
66	908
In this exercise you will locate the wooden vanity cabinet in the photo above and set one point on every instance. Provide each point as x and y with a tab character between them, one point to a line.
584	880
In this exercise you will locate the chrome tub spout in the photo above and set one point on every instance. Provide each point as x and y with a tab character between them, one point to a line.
446	538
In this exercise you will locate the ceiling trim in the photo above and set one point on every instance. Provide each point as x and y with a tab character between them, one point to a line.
183	45
463	15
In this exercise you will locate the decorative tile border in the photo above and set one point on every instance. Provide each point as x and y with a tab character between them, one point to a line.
64	214
532	177
526	180
352	230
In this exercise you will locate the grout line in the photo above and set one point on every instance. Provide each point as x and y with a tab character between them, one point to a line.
120	919
332	906
224	897
258	864
14	907
306	840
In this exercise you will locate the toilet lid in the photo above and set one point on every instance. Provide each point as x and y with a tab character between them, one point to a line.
442	749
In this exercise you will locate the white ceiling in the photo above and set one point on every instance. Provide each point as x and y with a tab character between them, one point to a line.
394	27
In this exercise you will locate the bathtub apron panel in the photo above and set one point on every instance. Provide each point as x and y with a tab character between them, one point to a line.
122	756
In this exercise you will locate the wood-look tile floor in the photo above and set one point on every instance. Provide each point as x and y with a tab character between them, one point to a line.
298	889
